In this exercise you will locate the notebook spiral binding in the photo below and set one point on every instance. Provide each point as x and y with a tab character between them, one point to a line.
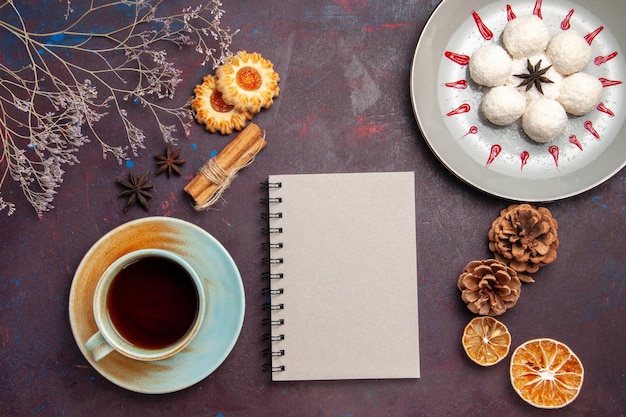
267	291
267	185
269	276
269	368
265	216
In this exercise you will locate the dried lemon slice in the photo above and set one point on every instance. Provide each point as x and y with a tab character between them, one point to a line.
486	340
248	81
213	112
546	373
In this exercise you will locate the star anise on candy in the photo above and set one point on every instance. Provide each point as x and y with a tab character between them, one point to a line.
535	76
169	162
136	189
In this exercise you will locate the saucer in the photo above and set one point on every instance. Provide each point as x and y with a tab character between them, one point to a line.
224	314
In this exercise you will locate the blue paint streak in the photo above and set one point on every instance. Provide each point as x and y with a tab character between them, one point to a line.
129	163
596	199
213	153
62	39
126	8
194	146
57	37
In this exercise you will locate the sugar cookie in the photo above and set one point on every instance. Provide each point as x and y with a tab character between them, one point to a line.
247	81
213	112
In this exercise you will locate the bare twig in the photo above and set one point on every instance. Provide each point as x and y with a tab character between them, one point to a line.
52	101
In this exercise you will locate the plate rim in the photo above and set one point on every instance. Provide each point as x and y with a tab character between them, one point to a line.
472	173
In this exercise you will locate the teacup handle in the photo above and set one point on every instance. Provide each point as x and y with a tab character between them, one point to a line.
98	346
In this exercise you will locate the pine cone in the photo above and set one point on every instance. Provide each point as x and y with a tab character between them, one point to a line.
525	238
489	287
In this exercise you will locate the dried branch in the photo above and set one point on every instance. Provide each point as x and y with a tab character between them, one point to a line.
68	80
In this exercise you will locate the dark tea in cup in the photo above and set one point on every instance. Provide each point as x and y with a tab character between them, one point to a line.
148	305
152	302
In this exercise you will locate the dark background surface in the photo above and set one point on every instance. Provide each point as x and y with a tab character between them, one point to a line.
344	107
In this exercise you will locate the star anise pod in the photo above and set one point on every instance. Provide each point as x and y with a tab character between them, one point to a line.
136	190
169	162
535	76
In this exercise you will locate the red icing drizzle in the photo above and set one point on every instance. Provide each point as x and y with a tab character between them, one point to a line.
482	28
574	140
472	131
509	13
463	108
599	60
537	9
589	126
565	23
461	84
493	154
608	83
601	107
554	151
591	36
458	58
524	157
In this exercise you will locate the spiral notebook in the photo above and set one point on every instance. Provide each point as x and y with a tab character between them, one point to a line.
342	292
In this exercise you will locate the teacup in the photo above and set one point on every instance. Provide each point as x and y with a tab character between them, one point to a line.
148	305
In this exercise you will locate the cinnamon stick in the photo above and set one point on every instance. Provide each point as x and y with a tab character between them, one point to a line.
236	155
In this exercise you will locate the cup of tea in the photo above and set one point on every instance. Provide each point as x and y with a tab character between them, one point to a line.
148	305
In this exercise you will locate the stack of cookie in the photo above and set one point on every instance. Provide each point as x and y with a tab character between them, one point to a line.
240	88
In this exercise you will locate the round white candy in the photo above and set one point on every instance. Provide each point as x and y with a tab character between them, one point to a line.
525	36
569	52
490	65
580	93
544	120
503	105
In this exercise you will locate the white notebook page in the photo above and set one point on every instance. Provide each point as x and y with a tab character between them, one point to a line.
349	276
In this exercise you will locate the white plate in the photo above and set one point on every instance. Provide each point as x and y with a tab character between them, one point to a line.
224	315
467	144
